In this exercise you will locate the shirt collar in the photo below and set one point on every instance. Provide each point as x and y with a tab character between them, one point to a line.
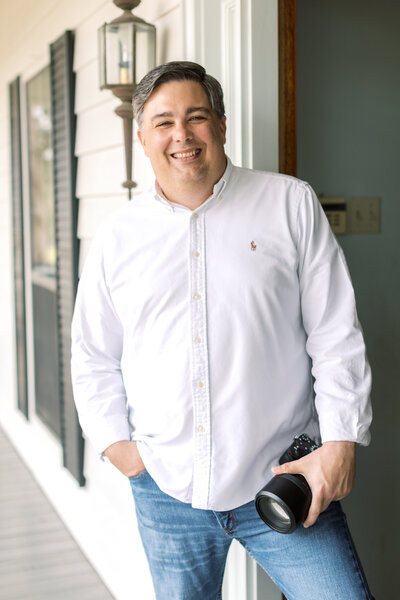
218	188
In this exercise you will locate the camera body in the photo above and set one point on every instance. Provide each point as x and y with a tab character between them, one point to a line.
284	502
301	446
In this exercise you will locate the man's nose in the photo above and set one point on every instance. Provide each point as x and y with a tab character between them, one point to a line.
182	132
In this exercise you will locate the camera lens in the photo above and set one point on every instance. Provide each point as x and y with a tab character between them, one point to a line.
284	502
275	513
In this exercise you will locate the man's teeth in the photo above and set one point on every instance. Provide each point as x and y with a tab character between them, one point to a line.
185	154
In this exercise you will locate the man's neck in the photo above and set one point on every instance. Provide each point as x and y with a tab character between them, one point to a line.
191	198
190	194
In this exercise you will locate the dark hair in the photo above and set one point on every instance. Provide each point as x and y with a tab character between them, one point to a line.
177	71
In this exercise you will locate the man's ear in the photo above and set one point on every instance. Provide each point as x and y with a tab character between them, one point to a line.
142	140
222	126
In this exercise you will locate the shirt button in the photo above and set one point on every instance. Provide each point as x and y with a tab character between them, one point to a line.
196	254
201	429
220	197
198	340
200	384
196	297
195	215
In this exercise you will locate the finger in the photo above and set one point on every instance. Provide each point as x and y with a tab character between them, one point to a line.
285	468
319	503
313	513
290	467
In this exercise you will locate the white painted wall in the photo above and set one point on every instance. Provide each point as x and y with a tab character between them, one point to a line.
100	515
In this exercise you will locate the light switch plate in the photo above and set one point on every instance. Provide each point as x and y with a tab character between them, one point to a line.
363	215
353	215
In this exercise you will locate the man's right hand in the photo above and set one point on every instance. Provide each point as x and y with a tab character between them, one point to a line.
125	456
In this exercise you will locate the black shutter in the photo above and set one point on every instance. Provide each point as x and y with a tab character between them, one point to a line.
62	101
18	242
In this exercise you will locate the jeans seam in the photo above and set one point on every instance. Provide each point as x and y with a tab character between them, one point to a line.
219	593
261	567
356	561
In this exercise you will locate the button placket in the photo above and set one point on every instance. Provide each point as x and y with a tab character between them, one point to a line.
200	383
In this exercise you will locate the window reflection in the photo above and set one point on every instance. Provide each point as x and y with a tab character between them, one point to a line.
41	172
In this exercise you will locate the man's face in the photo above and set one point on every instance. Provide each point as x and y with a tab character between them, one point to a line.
183	137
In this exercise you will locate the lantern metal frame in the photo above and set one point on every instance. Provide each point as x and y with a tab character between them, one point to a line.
124	91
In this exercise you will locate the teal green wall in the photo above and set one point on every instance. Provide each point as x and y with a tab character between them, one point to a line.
349	145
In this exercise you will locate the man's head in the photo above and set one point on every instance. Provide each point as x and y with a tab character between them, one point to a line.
180	112
177	71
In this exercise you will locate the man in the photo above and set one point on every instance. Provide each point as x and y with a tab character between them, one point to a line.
206	308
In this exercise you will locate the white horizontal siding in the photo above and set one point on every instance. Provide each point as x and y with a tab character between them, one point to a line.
102	173
89	207
99	128
88	93
155	10
86	33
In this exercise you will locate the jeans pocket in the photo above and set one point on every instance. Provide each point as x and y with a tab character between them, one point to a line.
138	476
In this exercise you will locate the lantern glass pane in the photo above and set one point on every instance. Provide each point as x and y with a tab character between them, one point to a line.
119	54
145	51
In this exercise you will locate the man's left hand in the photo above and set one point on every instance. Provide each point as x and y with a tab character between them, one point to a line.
329	471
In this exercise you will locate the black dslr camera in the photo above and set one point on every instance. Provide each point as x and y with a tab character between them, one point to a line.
284	502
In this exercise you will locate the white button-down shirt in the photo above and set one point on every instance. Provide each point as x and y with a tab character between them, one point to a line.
198	333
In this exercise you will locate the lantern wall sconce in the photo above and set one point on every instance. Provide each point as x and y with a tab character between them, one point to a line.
127	51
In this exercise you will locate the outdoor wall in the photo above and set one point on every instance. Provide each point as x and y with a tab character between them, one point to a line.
100	515
348	132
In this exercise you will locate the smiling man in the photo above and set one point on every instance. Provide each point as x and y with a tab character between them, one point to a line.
184	139
206	307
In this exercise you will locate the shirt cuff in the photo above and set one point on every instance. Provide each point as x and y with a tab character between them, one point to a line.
359	435
106	432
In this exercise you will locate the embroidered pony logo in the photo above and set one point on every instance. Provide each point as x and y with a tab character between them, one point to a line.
253	245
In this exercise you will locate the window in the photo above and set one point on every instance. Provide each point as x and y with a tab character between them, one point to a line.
41	172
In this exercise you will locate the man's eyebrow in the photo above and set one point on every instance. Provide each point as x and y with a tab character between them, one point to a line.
161	116
193	109
190	110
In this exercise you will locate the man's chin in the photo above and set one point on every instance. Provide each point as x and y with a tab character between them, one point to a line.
191	174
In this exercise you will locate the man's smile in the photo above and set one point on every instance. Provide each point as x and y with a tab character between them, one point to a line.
187	155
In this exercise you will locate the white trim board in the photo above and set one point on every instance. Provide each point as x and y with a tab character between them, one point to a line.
237	42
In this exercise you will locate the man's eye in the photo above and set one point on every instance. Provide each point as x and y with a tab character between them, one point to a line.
197	118
163	124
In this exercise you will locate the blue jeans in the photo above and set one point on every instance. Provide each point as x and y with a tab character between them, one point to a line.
187	549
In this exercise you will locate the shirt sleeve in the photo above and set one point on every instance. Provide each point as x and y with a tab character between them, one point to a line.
97	335
334	336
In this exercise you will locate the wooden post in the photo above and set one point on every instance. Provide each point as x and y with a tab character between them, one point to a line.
287	87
